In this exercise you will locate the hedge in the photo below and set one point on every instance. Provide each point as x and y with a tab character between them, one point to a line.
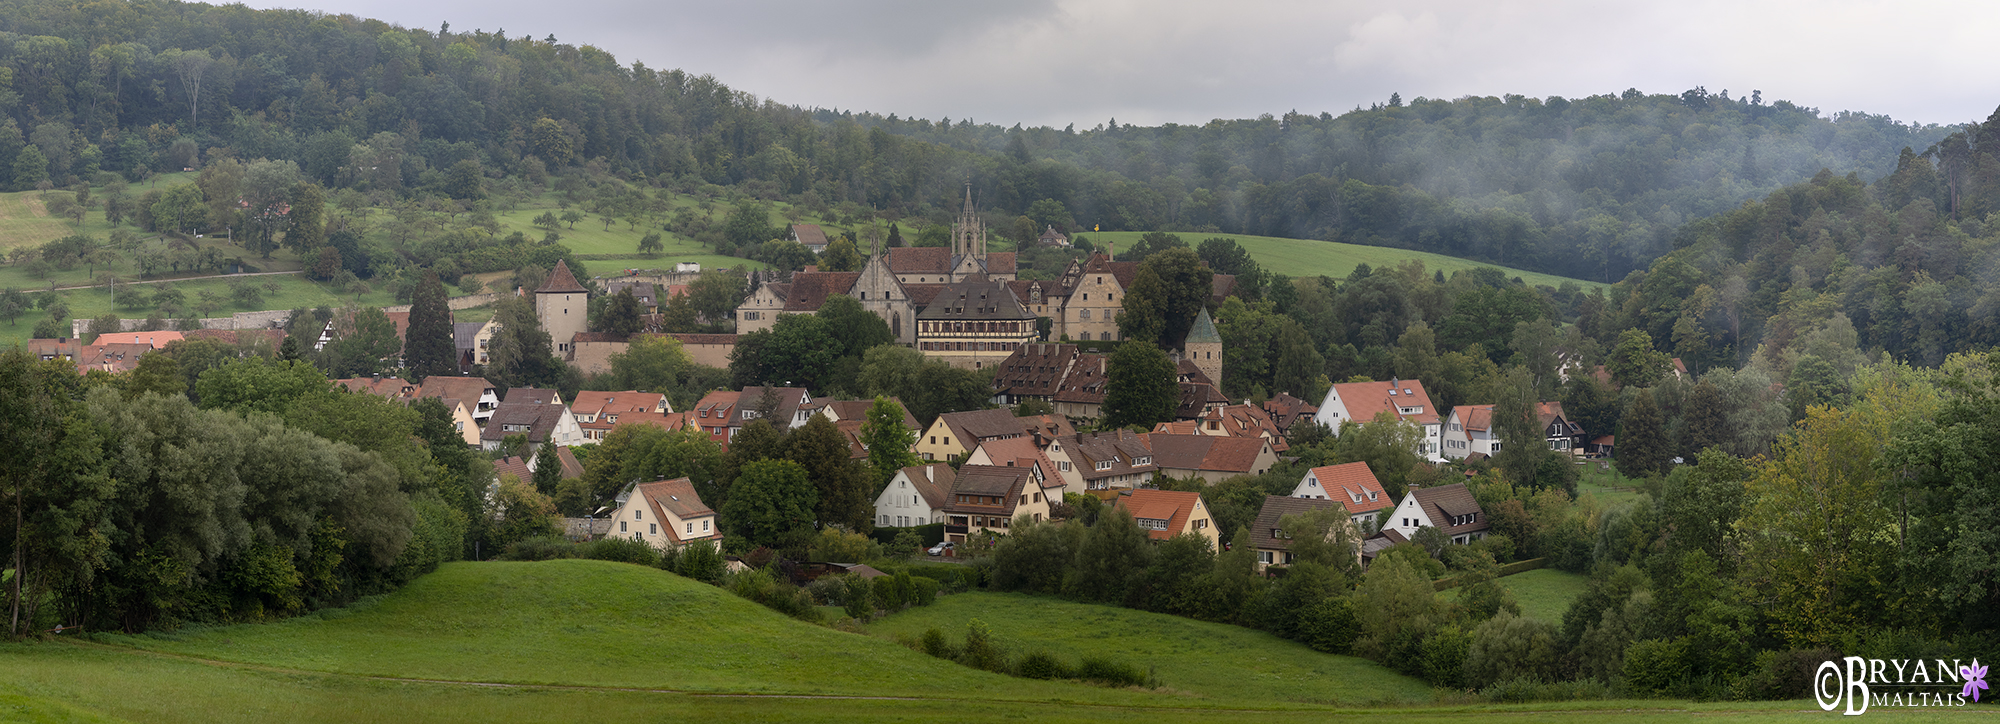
1446	584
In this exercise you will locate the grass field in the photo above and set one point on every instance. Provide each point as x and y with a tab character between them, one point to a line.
1305	257
1544	593
1211	660
1607	486
587	640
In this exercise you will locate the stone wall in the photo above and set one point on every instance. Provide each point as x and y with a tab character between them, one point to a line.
273	318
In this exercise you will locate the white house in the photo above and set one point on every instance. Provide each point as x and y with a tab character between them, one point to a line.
1450	507
916	496
1352	484
665	513
1469	429
1360	402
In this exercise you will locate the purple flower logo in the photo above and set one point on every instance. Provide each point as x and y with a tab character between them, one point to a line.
1975	679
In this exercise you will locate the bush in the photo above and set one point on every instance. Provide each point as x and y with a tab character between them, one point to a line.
1042	665
1444	657
1331	626
621	550
1508	647
782	597
829	590
1106	671
1656	666
934	643
702	562
1783	674
924	591
979	651
860	601
540	548
1531	689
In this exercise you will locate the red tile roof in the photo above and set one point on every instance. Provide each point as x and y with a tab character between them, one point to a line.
1364	400
920	260
561	281
1173	506
809	290
1351	484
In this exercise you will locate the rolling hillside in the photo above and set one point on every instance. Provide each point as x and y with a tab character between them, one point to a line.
1308	258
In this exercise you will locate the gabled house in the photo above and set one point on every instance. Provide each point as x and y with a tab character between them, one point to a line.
1350	484
957	433
857	411
1081	392
989	498
1450	507
1164	514
598	412
539	421
915	496
1361	402
1212	459
1243	420
665	513
533	394
478	394
1469	429
1286	411
65	348
1033	372
1021	452
788	407
1268	536
810	236
1563	435
714	413
1103	460
644	292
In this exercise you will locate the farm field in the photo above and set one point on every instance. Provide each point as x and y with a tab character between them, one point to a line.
1306	257
532	642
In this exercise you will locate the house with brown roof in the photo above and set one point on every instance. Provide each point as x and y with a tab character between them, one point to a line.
714	413
957	433
1021	452
1209	458
1081	392
1033	372
665	513
63	348
1243	420
1352	485
1361	402
1286	410
1450	507
479	395
644	292
538	420
989	498
1268	536
1051	237
974	324
1109	460
856	411
723	413
1164	514
915	496
804	294
810	236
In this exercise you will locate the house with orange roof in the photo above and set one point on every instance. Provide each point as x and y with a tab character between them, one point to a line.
1352	485
666	513
1245	420
1164	514
1362	402
598	412
1469	429
915	496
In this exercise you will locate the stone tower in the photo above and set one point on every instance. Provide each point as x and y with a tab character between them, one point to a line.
968	240
564	308
1203	347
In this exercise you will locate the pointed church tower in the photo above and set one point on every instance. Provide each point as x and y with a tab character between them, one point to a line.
968	240
564	308
1203	347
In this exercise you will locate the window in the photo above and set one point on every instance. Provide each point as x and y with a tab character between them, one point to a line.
704	526
1264	557
621	526
1201	524
690	527
636	515
1063	466
653	528
1103	465
885	521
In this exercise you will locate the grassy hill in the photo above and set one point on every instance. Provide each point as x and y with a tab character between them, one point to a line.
1306	257
1211	660
1543	593
560	640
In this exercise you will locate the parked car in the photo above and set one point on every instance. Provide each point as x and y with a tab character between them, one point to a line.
941	548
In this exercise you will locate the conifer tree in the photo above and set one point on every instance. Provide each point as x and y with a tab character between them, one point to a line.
1641	448
548	469
428	348
1704	419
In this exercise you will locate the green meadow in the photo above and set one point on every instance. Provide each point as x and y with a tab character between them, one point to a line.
576	639
1309	258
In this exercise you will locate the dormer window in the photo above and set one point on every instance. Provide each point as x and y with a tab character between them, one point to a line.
1103	465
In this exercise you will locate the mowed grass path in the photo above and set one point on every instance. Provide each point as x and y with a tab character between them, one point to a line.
1211	660
1308	258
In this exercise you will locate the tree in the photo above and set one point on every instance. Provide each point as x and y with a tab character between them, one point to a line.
649	244
305	227
365	340
1111	563
895	236
548	469
621	314
887	440
845	490
181	209
771	503
31	167
13	304
854	329
749	223
1139	386
1523	447
1387	443
1641	448
795	352
104	324
1171	287
715	295
1704	419
429	348
841	256
157	373
1633	362
521	512
520	354
464	181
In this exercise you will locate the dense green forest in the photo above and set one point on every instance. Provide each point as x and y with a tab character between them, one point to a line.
1591	187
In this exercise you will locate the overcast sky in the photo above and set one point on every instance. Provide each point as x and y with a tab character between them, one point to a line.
1055	62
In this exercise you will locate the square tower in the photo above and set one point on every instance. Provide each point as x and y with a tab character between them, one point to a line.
563	306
